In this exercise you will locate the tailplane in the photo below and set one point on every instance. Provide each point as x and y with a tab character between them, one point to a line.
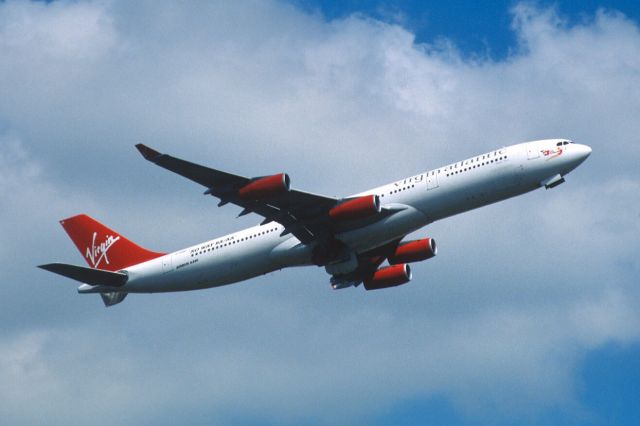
104	248
91	276
106	252
95	280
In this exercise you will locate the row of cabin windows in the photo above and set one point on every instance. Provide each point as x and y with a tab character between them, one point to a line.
211	246
404	188
478	164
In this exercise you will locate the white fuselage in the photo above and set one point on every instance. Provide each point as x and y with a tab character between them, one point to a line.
419	200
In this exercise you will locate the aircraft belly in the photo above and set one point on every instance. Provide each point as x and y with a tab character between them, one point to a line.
386	230
209	270
461	193
291	252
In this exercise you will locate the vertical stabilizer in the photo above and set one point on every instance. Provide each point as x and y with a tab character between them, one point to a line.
104	248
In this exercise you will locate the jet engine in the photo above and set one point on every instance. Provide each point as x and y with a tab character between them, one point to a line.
389	276
357	208
414	251
266	187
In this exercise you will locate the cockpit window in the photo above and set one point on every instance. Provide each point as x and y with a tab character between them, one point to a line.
559	144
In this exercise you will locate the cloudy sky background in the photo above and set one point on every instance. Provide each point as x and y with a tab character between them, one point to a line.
529	313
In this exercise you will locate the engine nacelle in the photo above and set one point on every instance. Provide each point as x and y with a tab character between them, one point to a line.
358	208
389	276
266	187
414	251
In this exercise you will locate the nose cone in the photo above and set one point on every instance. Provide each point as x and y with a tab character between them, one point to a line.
584	151
576	155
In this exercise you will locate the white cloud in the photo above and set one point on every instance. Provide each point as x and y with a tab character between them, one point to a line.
75	32
518	295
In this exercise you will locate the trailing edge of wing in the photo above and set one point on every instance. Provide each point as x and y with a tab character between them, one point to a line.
87	275
303	214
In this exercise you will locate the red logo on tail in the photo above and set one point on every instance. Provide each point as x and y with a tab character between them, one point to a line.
95	242
96	253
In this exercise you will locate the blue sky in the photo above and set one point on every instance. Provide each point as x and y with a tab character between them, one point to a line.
477	28
529	314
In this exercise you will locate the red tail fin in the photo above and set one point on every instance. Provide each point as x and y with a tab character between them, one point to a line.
104	248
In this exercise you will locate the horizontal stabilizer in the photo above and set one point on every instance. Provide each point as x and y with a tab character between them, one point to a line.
87	275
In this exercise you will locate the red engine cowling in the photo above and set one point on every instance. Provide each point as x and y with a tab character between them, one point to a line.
266	187
358	208
390	276
414	251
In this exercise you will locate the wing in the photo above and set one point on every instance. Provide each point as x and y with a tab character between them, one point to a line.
303	214
368	262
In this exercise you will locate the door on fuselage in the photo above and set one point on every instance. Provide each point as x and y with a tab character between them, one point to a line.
432	180
532	151
175	261
167	265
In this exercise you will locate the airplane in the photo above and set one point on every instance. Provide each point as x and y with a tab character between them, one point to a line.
351	237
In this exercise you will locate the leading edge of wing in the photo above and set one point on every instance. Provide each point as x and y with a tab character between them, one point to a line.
200	174
296	210
181	167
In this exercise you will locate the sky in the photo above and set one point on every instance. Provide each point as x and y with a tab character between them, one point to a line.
529	313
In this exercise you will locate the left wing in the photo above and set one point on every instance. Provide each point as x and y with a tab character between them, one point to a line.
303	214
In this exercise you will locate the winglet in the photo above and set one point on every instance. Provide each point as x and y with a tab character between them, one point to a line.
148	153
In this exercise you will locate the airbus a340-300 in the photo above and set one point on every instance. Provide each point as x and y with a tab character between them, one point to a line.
350	237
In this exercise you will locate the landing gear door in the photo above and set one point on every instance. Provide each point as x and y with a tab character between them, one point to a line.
432	180
532	151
